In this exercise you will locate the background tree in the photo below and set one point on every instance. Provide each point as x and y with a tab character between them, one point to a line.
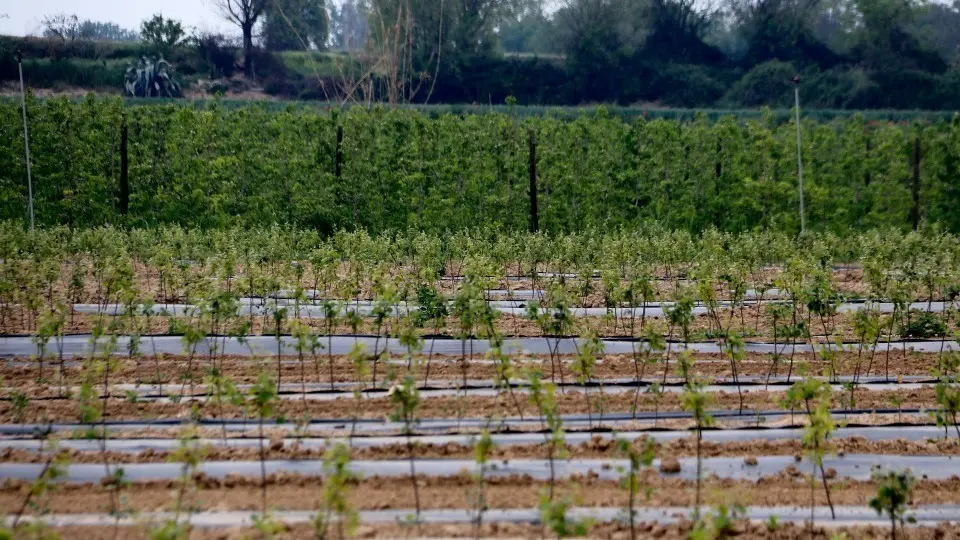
528	29
295	25
937	26
677	29
245	14
416	42
780	30
883	41
597	36
106	31
61	26
348	24
162	35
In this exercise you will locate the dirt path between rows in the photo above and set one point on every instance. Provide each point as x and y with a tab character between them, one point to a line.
757	531
598	447
751	322
505	405
447	371
292	492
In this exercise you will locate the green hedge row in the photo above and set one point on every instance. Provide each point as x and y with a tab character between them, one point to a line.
215	166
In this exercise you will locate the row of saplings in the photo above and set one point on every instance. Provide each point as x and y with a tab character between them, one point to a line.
216	315
477	318
337	518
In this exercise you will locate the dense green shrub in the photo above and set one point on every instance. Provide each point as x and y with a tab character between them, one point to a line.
685	85
84	49
83	73
837	88
216	57
923	325
768	84
906	89
947	94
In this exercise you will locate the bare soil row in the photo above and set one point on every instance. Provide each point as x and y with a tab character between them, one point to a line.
681	531
599	447
295	492
502	406
23	373
750	321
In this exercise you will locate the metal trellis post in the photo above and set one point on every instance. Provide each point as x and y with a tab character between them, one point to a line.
26	136
796	95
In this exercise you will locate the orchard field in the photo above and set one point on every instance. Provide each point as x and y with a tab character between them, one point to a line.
101	162
251	323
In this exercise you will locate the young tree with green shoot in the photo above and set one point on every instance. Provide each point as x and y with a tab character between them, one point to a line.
822	301
504	369
50	326
638	459
432	308
193	335
679	315
655	343
554	516
947	391
583	367
776	313
544	398
336	491
305	342
358	360
221	391
385	295
655	390
696	400
279	314
331	317
555	321
408	336
866	326
481	456
814	396
46	482
466	308
733	348
894	491
262	402
190	455
406	399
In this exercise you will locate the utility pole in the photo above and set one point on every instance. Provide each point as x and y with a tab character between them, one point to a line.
534	217
26	136
796	96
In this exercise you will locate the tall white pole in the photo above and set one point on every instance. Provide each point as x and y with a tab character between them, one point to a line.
796	96
26	137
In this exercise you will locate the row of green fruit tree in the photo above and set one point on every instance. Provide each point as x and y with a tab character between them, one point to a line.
99	161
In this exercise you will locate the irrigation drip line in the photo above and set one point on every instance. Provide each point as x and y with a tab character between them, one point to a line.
373	393
249	307
572	422
672	384
134	446
851	466
266	346
846	516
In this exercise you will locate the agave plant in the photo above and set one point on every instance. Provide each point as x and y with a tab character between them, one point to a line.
150	78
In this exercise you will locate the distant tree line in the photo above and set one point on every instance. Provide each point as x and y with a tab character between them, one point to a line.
691	53
856	54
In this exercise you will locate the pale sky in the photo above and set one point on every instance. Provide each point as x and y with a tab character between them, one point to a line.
24	16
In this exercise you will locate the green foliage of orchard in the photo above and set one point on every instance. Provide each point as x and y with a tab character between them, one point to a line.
923	264
217	166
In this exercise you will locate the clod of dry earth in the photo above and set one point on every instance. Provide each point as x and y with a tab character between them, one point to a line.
670	465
